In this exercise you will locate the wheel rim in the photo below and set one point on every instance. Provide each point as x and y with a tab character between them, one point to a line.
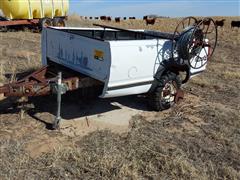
60	24
168	93
210	35
46	23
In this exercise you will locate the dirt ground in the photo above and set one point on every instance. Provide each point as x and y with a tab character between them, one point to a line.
120	137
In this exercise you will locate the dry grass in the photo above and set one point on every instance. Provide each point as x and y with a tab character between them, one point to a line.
19	51
2	72
149	150
198	139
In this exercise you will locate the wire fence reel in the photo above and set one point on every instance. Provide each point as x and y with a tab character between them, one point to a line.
194	42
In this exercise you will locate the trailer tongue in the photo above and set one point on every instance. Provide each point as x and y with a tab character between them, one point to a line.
44	82
120	61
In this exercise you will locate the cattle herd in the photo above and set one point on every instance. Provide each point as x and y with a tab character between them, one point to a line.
152	20
220	23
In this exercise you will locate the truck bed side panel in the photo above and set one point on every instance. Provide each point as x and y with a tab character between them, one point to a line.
84	55
134	64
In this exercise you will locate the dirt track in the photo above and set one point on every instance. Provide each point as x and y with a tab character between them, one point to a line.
198	138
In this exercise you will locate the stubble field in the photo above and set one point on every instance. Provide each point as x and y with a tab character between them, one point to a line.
196	139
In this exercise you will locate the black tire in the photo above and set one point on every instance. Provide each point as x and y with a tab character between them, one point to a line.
45	22
59	22
3	29
157	99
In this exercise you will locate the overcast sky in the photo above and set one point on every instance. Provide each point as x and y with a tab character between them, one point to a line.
171	8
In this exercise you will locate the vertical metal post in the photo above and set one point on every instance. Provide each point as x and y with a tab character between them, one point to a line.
42	10
30	15
58	117
63	8
53	9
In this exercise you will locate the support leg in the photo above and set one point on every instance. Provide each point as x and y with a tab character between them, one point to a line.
23	107
59	99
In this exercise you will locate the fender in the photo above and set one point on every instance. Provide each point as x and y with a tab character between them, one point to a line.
170	66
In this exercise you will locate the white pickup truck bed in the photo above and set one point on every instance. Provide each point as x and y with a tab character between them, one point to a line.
125	62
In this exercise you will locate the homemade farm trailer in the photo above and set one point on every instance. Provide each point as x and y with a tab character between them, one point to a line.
119	62
34	14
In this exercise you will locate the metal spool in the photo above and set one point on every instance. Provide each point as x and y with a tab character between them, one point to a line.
195	45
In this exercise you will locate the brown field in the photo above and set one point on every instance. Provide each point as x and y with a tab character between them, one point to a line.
197	139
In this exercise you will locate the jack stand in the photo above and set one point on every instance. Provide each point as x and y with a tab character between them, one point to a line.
22	102
58	117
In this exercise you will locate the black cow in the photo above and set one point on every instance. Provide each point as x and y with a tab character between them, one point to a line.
132	18
117	19
235	24
145	17
220	23
150	21
198	21
205	22
103	18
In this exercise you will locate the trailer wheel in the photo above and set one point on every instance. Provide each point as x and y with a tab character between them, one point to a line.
45	22
59	22
3	29
163	97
